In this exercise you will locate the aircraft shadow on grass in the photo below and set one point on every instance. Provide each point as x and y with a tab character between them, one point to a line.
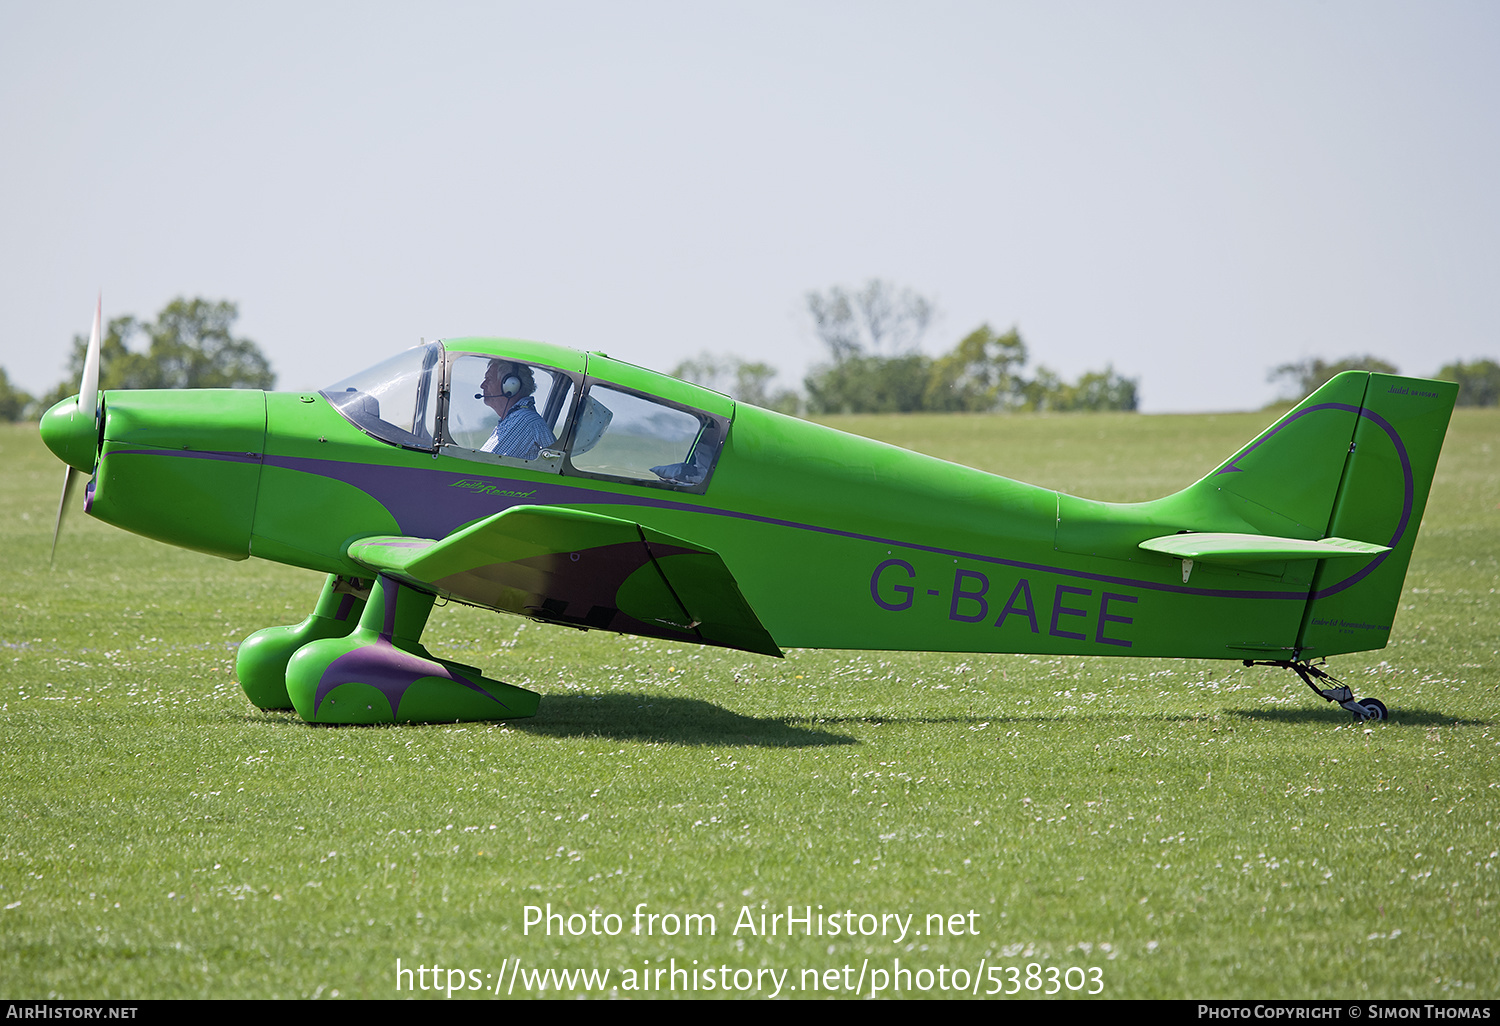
676	721
691	721
652	718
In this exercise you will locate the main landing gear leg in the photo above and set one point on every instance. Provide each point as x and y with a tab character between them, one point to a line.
261	662
1362	708
381	673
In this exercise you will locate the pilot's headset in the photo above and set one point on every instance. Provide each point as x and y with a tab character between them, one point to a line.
510	386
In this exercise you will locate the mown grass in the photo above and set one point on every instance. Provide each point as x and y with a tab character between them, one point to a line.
1190	828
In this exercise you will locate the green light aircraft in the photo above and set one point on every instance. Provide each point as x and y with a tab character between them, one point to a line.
577	489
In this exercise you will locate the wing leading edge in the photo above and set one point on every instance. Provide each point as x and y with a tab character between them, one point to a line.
580	569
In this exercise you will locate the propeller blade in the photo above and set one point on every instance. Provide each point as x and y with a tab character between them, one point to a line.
88	405
88	388
69	475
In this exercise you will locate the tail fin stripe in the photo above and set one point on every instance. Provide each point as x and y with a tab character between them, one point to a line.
1406	473
1230	468
1406	504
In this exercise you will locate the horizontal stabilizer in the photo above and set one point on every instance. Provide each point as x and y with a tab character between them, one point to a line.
1239	549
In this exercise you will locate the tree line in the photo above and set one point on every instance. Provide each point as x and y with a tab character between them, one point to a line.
871	334
874	365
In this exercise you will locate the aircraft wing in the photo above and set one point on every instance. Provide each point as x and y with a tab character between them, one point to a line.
580	569
1243	549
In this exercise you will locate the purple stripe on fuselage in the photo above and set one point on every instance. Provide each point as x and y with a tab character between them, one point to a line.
408	493
424	504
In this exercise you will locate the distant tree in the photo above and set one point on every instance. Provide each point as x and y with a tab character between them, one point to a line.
1308	376
1093	392
1478	382
191	345
708	370
878	319
15	404
1105	390
981	374
746	382
1046	391
870	384
752	384
872	334
119	367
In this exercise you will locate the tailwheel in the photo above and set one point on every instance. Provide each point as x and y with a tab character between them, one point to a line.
1336	692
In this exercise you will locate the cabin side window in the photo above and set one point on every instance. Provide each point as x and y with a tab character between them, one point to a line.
628	437
506	410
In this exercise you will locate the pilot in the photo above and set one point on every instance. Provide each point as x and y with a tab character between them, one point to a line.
522	432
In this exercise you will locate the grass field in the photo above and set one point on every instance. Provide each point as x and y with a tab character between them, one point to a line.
1169	828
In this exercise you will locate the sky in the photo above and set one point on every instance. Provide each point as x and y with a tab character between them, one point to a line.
1193	193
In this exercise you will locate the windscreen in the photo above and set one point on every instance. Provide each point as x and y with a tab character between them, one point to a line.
396	400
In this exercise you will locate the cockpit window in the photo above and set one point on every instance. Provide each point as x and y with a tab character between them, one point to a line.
505	407
624	436
396	400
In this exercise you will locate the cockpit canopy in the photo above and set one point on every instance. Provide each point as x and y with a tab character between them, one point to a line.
395	400
491	407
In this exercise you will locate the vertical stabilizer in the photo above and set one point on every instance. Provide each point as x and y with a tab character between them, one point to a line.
1285	482
1398	434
